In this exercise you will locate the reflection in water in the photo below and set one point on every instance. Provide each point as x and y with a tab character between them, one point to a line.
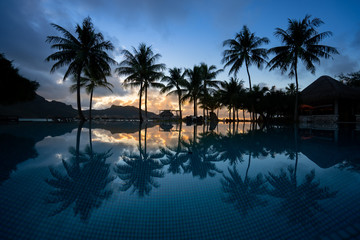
244	194
85	182
300	202
201	156
13	151
140	170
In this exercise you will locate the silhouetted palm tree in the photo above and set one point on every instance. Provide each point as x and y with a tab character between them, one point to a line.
301	42
141	69
300	202
91	81
230	94
209	84
140	170
175	85
85	50
244	49
244	194
193	86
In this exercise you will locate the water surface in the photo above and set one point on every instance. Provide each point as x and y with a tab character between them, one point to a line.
118	181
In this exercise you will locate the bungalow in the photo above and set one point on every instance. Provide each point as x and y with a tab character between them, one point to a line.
328	100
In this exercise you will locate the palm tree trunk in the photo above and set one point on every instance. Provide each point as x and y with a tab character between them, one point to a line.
195	107
146	103
78	98
140	115
243	110
237	115
180	107
90	140
90	107
78	134
252	104
296	96
248	73
234	114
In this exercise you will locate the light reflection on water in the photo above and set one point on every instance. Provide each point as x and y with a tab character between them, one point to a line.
237	181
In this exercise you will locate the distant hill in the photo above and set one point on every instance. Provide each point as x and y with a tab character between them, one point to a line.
41	108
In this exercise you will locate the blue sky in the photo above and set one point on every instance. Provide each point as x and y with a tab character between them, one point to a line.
184	32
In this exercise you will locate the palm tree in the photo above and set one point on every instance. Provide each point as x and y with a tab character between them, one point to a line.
244	49
230	92
193	86
85	50
141	70
175	83
209	84
300	42
91	81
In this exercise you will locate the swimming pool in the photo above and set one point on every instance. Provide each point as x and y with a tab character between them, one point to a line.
112	181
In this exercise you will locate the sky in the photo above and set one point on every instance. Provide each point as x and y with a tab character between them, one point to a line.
185	33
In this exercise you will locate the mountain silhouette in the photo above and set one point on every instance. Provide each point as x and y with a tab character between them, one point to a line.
42	108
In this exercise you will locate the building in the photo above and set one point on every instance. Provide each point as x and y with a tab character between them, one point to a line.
328	100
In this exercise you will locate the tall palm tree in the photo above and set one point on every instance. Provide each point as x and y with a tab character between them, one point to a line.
209	84
244	49
85	50
141	69
300	42
91	81
175	84
193	86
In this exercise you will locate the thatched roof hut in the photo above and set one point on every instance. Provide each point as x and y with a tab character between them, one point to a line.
329	96
326	89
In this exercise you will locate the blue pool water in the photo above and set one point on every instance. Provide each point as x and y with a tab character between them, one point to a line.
112	181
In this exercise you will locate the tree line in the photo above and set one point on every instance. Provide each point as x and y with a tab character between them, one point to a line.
88	62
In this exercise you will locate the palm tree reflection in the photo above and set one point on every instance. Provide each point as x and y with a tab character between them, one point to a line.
244	194
140	170
300	202
84	184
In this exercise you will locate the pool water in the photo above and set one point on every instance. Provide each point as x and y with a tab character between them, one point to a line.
119	180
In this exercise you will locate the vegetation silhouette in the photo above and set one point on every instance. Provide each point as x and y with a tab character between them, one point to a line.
193	86
175	85
244	49
91	81
140	169
141	69
300	42
209	84
86	50
85	182
14	87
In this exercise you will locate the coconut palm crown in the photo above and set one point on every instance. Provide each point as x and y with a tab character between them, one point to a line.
87	49
244	49
300	43
142	70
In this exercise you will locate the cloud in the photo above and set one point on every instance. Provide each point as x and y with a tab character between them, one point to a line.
341	64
